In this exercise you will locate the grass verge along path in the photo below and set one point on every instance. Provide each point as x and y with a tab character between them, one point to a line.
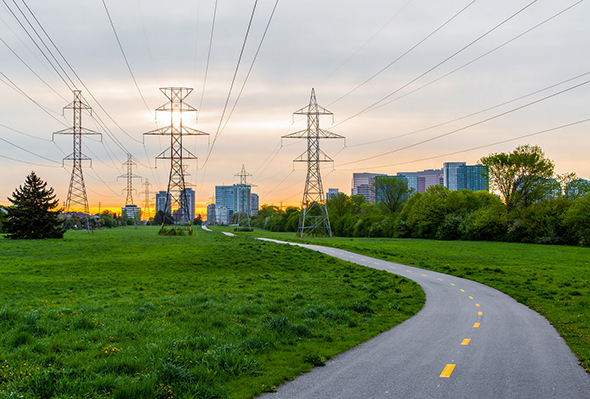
125	313
552	280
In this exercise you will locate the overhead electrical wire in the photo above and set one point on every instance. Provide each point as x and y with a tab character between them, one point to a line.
364	44
125	58
208	54
438	64
475	59
479	147
472	114
219	130
28	163
405	53
31	69
15	87
470	125
29	152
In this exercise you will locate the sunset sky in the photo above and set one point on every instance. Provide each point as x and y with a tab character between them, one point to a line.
411	83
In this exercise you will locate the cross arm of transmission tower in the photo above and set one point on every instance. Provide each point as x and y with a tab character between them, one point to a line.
304	134
322	157
83	131
168	130
314	110
168	154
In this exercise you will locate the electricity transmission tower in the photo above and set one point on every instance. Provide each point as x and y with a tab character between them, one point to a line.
314	212
77	201
129	176
243	198
147	208
176	153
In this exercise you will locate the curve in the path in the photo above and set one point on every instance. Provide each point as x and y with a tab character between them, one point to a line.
468	341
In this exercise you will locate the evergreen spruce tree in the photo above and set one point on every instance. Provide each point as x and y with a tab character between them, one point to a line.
33	213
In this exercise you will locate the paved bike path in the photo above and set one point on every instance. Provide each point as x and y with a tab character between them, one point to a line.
468	341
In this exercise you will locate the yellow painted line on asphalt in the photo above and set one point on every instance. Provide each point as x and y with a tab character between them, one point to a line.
409	271
477	304
462	290
452	284
470	297
480	313
439	279
476	325
375	263
362	260
393	267
466	341
351	256
424	275
448	370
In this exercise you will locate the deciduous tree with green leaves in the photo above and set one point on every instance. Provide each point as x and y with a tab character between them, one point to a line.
522	177
391	193
34	212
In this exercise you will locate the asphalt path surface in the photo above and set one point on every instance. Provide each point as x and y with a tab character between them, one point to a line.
468	341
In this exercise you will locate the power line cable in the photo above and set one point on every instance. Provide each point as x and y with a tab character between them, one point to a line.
28	163
472	114
471	125
406	53
31	69
29	152
480	147
367	42
125	58
439	64
208	54
474	60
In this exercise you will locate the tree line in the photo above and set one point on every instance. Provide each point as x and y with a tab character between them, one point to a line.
527	203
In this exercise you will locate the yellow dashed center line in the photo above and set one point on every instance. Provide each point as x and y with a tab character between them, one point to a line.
470	297
480	313
462	290
439	279
477	304
476	325
466	341
448	370
393	267
425	275
452	284
375	263
409	271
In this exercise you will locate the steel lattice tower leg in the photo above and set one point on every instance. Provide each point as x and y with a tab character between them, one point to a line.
176	153
314	212
77	200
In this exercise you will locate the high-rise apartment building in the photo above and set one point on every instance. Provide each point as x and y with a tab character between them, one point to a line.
224	196
161	202
254	204
362	184
451	179
411	178
187	195
472	177
429	177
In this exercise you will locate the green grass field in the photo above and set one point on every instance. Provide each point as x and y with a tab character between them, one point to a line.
125	313
553	280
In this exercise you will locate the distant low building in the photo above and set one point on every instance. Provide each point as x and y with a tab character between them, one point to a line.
362	184
331	193
131	212
428	178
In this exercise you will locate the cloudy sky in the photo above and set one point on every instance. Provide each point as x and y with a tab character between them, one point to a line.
411	83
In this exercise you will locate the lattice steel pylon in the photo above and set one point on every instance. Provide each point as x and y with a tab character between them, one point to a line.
241	191
77	201
129	176
147	208
313	219
176	153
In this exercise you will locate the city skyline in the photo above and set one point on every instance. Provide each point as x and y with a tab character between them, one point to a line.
420	129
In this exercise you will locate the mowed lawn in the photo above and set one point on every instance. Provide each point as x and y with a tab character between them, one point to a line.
553	280
125	313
